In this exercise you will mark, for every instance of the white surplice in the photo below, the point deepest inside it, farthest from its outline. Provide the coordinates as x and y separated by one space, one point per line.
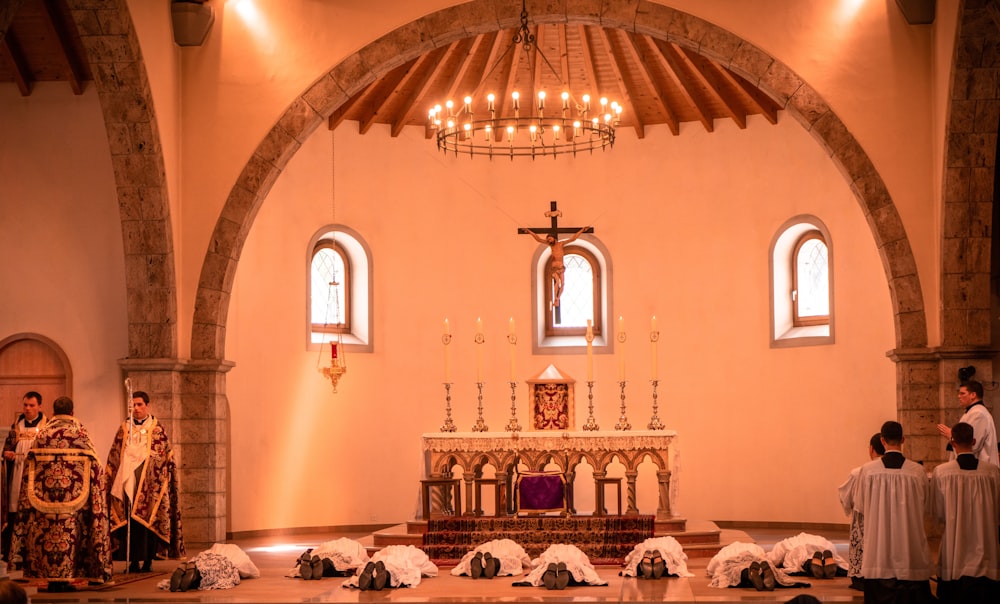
967 504
984 430
669 549
577 563
406 565
513 559
791 553
893 503
857 534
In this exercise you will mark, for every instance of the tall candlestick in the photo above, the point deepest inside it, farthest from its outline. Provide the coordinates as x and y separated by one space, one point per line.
621 352
479 350
446 340
512 338
654 337
590 350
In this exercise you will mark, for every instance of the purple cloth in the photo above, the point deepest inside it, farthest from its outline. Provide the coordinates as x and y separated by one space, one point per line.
541 493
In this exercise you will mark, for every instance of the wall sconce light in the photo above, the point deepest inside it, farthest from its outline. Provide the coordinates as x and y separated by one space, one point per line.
192 20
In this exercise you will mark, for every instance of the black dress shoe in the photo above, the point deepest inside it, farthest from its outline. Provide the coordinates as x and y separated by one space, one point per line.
549 577
175 579
753 573
496 567
191 578
317 568
380 578
133 567
562 576
365 578
645 567
489 570
305 565
767 576
815 565
476 565
659 566
829 565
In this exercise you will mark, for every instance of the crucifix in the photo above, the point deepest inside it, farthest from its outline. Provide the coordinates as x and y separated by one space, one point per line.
552 240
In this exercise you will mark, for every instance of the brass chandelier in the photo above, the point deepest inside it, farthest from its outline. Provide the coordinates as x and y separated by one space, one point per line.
575 127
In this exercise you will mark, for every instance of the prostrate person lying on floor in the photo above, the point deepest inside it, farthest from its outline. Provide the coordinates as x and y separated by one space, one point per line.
745 565
221 566
655 558
336 558
393 566
560 566
806 554
496 558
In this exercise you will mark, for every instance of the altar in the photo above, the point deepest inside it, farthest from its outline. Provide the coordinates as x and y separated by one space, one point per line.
505 451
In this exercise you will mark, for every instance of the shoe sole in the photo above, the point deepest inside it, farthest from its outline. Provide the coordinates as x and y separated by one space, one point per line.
175 579
753 573
767 577
488 570
829 565
549 577
381 579
365 578
562 576
476 565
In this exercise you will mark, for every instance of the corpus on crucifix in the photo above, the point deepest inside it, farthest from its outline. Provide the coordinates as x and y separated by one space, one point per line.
556 245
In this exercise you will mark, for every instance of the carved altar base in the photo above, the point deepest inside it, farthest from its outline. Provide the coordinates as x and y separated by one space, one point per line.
506 450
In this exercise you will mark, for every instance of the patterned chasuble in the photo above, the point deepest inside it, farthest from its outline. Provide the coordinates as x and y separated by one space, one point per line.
156 504
65 531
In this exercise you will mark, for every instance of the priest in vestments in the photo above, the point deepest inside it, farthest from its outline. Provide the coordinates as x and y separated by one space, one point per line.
966 504
143 497
892 493
15 448
65 530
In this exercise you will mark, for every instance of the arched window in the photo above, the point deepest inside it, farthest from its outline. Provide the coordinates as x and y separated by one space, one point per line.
339 296
801 284
586 295
811 281
331 286
580 300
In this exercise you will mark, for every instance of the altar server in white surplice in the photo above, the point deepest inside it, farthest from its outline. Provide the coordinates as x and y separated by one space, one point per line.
967 504
891 493
846 493
970 397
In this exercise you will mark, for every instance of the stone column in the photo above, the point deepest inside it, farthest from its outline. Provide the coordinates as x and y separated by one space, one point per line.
188 399
926 384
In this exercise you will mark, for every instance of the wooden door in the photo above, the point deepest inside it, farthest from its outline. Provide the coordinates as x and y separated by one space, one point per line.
31 362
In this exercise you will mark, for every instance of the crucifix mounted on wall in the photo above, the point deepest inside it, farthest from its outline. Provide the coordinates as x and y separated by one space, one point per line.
551 239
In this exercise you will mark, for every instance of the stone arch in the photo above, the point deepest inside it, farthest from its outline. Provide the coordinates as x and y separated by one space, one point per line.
112 49
330 91
969 183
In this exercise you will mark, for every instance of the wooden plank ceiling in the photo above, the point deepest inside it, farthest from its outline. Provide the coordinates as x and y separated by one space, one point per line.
656 82
42 44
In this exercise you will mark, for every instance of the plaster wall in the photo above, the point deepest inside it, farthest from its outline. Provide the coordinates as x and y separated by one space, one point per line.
61 244
688 222
268 52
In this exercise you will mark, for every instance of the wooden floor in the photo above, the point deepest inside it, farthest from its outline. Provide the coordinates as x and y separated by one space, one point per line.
274 556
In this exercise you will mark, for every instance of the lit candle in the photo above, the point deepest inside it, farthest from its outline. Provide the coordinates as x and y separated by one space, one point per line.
590 350
513 343
479 350
447 355
654 336
621 352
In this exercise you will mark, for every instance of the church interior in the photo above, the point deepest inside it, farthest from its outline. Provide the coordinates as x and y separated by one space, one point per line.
170 172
